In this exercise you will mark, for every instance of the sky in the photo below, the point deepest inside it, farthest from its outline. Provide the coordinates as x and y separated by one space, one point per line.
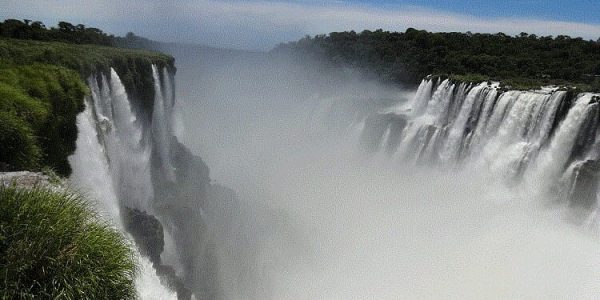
262 24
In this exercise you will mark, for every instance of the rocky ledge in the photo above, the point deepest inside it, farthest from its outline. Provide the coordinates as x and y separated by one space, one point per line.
28 179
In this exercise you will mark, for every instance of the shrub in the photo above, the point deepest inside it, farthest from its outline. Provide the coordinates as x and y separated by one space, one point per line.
48 99
27 108
18 147
52 245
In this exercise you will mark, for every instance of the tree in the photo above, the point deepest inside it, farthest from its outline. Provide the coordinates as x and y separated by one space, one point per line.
65 27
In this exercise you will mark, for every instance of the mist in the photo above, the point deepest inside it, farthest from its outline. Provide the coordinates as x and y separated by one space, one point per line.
314 217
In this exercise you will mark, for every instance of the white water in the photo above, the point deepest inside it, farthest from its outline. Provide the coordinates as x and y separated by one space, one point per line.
551 162
316 223
503 134
161 121
111 153
468 226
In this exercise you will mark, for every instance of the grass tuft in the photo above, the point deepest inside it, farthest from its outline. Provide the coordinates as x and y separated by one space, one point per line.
53 245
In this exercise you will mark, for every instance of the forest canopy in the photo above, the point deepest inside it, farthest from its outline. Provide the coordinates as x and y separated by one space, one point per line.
69 33
407 57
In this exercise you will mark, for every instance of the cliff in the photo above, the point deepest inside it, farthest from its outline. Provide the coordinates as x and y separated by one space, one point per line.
42 90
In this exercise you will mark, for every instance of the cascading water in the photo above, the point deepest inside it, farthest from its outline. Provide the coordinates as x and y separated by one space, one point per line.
369 233
534 137
112 160
161 123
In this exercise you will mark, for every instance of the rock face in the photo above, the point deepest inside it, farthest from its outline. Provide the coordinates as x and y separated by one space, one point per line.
146 231
375 129
28 179
148 234
179 205
585 184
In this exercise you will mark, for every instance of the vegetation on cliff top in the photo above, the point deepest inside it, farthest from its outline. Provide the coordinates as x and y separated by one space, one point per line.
406 57
52 245
38 110
42 89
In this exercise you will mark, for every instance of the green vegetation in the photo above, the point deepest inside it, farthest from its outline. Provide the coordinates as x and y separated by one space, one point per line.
42 88
53 246
73 34
39 105
133 66
19 146
522 61
64 32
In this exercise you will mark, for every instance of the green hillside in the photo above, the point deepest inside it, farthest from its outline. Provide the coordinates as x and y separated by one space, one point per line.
522 61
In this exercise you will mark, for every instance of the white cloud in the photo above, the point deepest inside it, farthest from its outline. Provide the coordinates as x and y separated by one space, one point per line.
262 24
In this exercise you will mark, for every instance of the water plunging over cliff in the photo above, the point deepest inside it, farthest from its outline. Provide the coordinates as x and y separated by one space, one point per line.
325 226
530 137
113 163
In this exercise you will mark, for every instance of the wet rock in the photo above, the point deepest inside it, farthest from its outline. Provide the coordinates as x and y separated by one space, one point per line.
147 233
170 279
587 133
26 179
397 124
585 184
375 129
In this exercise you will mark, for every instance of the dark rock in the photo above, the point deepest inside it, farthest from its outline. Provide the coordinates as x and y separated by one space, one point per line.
170 278
147 233
375 128
587 134
585 184
397 124
4 167
563 109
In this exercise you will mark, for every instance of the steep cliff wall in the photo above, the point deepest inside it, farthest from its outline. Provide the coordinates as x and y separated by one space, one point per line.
42 89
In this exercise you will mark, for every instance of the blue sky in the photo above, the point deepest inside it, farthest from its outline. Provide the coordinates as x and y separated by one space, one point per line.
261 24
587 11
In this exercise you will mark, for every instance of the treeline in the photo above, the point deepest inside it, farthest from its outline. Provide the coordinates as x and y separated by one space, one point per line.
68 33
407 57
64 32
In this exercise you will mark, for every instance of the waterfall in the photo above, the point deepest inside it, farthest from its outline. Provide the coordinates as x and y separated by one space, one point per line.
112 163
543 140
161 123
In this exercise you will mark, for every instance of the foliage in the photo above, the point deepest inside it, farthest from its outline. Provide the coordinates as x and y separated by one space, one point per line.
18 144
65 32
130 40
409 56
85 59
52 245
133 66
46 100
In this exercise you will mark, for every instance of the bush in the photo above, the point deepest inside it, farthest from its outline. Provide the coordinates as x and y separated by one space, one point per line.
52 245
48 99
18 147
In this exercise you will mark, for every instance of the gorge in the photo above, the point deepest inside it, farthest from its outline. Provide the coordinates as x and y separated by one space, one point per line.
525 158
325 182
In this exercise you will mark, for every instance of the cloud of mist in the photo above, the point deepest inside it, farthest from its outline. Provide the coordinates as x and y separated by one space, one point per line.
318 221
263 24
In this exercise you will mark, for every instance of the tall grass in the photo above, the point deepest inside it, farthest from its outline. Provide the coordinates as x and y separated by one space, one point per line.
53 245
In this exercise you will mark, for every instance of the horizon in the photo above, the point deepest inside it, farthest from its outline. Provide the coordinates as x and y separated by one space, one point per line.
261 25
